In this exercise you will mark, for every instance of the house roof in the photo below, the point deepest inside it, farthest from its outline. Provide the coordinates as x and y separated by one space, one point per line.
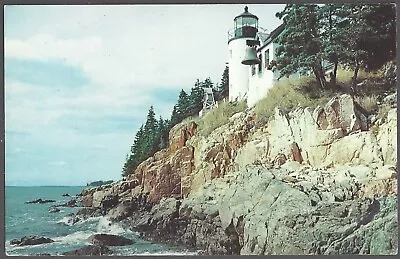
273 35
246 13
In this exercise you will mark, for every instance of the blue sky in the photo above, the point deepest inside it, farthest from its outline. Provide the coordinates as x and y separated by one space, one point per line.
79 80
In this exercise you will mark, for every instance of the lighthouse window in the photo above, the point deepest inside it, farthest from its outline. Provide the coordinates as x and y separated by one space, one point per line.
267 58
253 70
249 21
238 22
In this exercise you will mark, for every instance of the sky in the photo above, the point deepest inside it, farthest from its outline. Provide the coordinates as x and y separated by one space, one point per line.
79 80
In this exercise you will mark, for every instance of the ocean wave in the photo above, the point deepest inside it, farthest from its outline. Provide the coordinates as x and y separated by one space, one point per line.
105 225
74 238
67 220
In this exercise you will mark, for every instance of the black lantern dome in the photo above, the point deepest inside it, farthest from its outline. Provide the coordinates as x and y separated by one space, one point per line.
246 25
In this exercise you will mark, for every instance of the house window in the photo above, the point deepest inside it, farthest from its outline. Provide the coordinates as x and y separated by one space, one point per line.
260 65
267 58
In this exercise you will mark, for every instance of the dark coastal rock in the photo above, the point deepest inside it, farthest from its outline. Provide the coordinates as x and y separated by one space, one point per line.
90 250
109 240
82 214
40 201
43 254
31 240
109 201
121 211
66 195
54 210
279 219
85 213
70 204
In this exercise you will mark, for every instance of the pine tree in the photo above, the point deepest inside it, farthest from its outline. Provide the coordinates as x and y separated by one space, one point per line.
162 139
183 105
181 110
175 117
136 155
150 133
223 87
196 99
300 46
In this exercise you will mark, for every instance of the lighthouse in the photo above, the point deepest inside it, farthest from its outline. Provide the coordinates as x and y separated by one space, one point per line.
245 28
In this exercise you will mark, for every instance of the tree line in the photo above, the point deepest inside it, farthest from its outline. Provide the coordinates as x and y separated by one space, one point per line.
353 35
152 136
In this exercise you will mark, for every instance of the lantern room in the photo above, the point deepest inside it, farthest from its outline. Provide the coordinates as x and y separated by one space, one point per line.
246 25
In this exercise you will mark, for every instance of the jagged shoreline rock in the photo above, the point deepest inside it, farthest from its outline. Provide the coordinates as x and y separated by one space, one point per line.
308 182
31 240
109 240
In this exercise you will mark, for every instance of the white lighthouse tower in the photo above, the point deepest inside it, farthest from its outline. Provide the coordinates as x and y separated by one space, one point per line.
245 28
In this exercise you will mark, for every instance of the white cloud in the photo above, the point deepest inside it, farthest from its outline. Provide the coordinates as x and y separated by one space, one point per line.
136 45
127 53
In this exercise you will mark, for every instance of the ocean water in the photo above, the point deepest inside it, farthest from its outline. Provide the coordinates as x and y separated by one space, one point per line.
35 220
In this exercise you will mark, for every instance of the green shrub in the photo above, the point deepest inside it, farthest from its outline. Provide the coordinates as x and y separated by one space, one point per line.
219 116
288 94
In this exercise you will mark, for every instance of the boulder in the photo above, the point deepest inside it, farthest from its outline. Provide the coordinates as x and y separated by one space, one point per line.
90 250
31 240
66 195
109 240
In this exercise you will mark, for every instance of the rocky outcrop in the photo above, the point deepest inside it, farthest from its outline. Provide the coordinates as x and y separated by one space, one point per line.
263 211
314 181
109 240
90 250
31 240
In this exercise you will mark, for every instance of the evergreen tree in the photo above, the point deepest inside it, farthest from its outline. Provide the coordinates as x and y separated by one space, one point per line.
207 83
162 140
333 34
370 36
300 46
181 110
136 155
381 44
196 99
183 105
223 87
150 133
175 117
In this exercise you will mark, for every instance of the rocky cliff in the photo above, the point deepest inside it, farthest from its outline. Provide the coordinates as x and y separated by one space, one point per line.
314 181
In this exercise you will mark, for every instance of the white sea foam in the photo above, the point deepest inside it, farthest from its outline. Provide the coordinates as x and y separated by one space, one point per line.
74 238
67 220
106 226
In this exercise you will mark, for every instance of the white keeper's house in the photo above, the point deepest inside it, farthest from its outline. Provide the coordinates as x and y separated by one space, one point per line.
251 51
